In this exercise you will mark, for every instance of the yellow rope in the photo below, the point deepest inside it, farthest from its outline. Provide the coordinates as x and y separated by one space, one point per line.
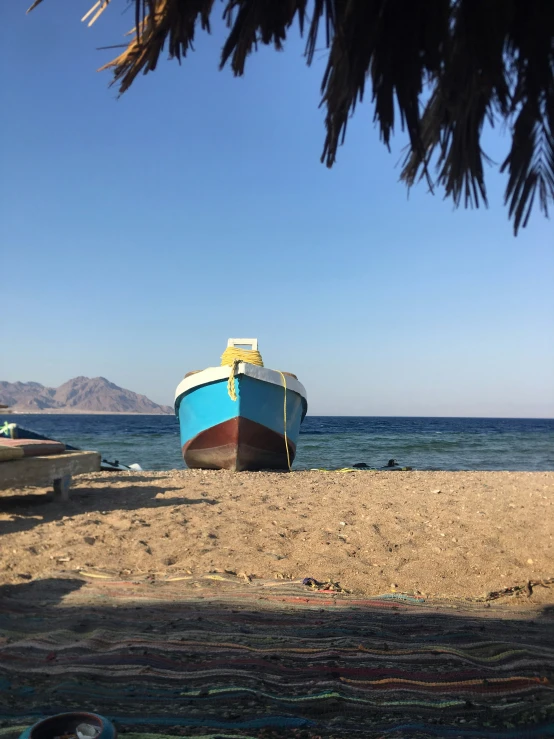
252 356
285 419
231 381
232 357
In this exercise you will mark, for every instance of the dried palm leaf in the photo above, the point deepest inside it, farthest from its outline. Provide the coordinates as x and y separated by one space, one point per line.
474 61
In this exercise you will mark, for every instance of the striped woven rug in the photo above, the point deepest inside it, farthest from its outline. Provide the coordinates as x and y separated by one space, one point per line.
220 657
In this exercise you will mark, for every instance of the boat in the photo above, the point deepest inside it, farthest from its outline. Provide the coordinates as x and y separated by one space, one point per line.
241 415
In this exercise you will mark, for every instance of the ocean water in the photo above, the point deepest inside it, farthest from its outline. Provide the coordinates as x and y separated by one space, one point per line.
326 441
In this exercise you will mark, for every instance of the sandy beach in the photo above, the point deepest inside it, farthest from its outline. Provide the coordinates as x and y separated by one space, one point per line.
441 534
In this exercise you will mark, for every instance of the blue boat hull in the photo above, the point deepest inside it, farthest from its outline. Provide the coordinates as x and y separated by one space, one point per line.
245 434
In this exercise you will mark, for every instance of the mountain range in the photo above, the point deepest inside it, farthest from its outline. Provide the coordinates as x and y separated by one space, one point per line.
79 395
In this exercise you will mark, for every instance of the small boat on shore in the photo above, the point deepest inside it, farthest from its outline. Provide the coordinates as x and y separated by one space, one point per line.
240 416
13 431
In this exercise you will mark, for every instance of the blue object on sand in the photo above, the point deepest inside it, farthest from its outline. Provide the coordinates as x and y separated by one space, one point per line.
68 723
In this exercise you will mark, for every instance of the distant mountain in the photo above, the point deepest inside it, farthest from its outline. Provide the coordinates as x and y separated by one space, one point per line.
80 395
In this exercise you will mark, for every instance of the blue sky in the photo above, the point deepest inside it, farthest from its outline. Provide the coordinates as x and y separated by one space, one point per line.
139 233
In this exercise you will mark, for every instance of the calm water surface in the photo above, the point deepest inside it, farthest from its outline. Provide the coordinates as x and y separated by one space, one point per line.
327 441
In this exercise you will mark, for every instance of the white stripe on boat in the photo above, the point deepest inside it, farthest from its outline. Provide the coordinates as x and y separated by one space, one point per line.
213 374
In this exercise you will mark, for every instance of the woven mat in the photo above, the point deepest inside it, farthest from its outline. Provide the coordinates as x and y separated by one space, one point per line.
222 657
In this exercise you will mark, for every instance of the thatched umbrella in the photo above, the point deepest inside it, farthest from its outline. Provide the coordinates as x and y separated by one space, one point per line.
479 60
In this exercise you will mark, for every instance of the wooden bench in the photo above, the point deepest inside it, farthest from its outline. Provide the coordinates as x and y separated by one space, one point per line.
56 469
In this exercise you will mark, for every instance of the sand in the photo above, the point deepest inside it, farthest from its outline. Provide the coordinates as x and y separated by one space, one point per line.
441 534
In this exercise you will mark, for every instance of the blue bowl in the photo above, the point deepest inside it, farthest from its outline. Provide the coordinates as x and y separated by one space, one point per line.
66 723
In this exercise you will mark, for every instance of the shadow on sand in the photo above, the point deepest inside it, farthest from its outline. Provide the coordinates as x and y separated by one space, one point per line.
30 509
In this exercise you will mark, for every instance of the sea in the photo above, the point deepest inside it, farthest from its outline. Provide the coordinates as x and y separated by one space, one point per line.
328 442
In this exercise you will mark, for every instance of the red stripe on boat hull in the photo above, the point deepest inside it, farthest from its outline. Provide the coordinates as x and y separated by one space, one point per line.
238 444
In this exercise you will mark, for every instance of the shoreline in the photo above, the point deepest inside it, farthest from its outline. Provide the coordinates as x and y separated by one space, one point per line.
436 534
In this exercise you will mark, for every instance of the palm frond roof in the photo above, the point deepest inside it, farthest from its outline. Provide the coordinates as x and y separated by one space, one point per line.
445 68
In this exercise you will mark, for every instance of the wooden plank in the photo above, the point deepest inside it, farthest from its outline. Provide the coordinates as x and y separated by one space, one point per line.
42 471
